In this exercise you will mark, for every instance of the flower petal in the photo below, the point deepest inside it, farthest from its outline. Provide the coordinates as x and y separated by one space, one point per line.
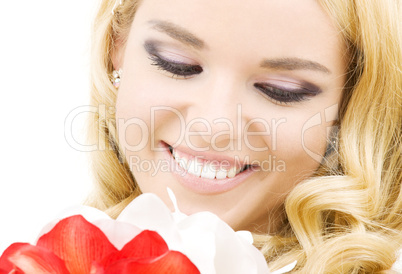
148 211
78 242
5 264
286 268
89 213
118 233
26 258
170 262
231 253
147 244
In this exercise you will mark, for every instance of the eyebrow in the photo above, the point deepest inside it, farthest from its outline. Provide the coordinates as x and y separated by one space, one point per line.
178 33
293 64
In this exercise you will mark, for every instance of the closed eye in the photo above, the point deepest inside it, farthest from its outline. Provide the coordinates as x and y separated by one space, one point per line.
175 68
284 96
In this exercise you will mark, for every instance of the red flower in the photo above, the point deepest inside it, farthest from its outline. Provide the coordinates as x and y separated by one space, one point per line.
77 246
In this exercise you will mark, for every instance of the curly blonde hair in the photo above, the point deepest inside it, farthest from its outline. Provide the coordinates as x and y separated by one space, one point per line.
347 218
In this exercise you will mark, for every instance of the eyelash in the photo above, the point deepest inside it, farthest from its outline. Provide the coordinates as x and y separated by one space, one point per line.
176 69
283 96
278 95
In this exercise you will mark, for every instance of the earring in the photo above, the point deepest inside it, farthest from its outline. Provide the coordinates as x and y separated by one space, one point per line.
116 78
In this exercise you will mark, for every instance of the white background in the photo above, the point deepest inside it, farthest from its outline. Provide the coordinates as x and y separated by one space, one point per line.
44 74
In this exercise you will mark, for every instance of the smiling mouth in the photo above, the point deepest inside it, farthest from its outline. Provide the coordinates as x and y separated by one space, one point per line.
207 169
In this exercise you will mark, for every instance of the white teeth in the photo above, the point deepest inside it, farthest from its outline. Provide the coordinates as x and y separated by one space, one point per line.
232 172
175 154
195 167
221 174
204 170
181 161
208 171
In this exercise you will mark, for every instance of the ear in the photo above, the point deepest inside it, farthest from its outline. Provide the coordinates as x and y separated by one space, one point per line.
118 55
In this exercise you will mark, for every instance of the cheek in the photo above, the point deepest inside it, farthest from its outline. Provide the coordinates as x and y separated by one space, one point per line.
132 128
299 144
143 110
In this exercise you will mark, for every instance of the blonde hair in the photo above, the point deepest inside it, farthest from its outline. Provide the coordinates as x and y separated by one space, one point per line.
348 217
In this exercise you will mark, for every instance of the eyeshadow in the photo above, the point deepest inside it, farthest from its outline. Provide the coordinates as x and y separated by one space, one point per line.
151 47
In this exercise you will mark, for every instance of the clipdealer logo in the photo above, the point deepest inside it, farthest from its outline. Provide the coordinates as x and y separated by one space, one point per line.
234 128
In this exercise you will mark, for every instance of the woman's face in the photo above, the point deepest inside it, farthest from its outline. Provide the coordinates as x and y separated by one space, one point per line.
228 103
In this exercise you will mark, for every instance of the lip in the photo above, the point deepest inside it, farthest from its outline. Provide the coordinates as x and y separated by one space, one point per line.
203 185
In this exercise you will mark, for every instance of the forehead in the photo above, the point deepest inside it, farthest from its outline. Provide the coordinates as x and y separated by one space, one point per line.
254 28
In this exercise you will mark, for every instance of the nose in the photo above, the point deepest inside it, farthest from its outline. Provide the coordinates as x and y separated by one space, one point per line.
215 117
